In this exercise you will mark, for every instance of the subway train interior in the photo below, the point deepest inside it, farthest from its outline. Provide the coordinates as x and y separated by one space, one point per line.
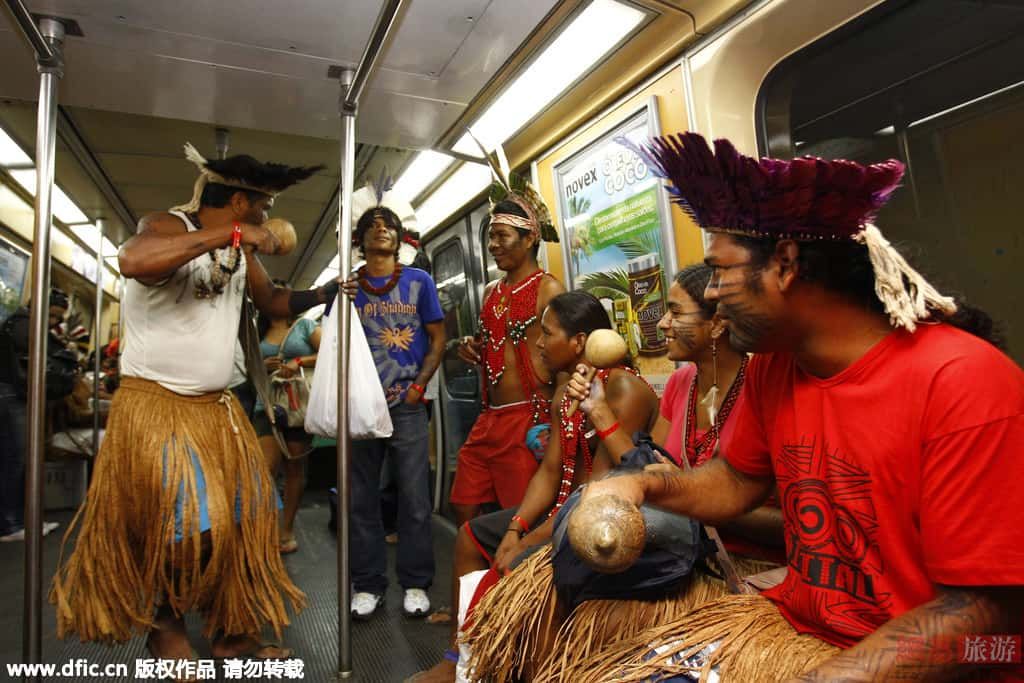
937 84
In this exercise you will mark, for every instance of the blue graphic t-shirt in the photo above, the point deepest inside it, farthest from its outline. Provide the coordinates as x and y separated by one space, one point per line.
394 328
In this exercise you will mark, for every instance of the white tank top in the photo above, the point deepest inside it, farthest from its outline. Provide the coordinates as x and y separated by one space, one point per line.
185 343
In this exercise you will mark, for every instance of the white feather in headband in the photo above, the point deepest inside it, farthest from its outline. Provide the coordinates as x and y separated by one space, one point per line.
379 194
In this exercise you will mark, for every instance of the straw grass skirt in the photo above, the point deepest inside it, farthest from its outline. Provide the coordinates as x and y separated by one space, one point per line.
597 624
518 632
751 642
126 560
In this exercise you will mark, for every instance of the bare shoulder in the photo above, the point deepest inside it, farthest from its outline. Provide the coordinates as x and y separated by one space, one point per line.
623 383
549 288
161 223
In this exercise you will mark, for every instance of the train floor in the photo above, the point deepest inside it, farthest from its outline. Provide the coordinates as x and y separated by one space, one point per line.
387 648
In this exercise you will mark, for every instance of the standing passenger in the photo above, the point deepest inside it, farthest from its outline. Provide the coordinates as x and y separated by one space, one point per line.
495 464
181 514
403 321
287 346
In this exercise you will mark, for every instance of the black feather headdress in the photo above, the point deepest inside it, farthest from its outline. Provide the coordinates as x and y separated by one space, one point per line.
242 172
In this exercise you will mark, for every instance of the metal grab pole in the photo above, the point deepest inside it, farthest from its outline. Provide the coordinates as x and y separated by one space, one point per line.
46 138
348 160
97 349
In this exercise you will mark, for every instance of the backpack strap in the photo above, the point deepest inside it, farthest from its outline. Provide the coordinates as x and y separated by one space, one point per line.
721 555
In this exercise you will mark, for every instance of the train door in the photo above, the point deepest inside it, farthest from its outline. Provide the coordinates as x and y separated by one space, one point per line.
453 258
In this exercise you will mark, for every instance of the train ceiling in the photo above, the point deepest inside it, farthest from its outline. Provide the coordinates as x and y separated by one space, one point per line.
144 77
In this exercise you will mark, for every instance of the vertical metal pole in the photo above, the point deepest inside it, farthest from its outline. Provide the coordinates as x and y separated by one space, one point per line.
46 138
96 346
348 161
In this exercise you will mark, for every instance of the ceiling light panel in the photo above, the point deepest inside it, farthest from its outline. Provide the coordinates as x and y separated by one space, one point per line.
11 153
63 208
583 43
427 166
467 182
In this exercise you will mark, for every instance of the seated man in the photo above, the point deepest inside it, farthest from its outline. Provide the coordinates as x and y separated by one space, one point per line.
879 408
502 537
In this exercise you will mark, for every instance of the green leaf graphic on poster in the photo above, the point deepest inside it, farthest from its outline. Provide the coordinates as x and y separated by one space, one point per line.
625 220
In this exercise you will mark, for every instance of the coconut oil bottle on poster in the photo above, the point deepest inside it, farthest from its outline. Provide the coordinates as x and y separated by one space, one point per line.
647 299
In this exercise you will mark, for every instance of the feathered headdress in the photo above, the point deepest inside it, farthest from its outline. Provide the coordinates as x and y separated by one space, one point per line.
242 172
508 186
803 199
379 194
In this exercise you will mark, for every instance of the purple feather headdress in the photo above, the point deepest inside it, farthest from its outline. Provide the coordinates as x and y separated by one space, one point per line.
806 198
803 199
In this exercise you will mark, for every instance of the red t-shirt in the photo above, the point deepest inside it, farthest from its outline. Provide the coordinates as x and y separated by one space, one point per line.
673 408
901 472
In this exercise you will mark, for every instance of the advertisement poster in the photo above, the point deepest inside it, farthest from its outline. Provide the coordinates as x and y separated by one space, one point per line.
13 268
617 231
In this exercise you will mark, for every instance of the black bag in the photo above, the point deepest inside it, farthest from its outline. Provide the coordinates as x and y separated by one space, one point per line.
675 547
61 363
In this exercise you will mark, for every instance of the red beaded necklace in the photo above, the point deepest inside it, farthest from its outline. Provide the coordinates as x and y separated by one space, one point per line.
572 443
364 281
704 447
508 312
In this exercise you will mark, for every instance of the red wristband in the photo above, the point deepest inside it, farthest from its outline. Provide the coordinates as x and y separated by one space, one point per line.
522 525
236 236
605 433
418 387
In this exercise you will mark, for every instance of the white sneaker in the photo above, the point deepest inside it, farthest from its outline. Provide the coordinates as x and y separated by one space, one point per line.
365 604
19 535
416 602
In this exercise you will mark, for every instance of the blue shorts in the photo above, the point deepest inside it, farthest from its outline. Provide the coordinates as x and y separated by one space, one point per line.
204 508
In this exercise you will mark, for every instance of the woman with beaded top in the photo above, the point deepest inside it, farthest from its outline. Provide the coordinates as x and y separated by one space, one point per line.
506 538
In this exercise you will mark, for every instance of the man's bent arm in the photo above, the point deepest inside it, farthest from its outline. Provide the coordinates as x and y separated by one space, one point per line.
927 642
163 245
432 360
281 302
713 493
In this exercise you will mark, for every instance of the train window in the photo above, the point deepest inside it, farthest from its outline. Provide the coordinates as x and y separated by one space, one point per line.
453 290
938 84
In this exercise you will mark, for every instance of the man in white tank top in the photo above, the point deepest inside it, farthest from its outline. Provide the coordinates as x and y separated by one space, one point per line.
181 512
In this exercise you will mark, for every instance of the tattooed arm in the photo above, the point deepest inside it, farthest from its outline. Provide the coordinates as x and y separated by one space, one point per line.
926 643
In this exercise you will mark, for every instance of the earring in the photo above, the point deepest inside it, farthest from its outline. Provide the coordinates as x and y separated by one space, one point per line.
711 399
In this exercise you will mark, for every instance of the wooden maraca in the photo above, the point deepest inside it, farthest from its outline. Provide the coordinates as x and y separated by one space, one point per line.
607 533
284 231
604 349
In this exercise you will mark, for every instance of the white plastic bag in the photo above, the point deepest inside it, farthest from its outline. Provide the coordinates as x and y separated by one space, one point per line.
368 409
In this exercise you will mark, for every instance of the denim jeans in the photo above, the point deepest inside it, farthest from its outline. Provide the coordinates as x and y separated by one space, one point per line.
408 450
12 460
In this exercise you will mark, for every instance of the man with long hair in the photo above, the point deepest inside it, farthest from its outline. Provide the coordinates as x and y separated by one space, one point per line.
181 513
881 410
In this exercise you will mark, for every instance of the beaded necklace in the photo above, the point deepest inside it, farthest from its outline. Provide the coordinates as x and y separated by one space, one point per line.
222 268
704 447
572 443
364 281
507 313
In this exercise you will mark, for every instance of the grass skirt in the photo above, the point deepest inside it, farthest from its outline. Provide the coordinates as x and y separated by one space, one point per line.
126 562
517 630
755 643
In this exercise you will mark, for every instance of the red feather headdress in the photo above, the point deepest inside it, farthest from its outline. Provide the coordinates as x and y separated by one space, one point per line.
803 199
